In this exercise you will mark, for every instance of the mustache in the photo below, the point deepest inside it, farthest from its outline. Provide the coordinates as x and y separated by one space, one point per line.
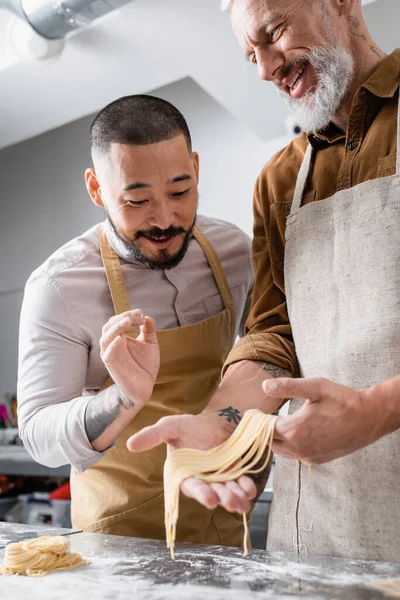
300 60
157 233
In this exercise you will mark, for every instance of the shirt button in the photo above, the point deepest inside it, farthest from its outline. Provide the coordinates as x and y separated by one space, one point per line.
352 145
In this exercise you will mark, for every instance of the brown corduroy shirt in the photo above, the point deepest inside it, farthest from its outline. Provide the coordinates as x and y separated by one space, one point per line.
367 151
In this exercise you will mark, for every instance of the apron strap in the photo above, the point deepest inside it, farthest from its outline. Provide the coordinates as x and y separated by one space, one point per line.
115 279
398 138
117 286
302 178
216 268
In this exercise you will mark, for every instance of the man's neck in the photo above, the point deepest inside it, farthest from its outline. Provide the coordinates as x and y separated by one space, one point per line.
364 65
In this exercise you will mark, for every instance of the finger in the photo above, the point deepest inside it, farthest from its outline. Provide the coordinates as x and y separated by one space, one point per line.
282 449
112 348
240 494
136 313
229 500
149 331
200 491
164 431
280 429
119 328
248 486
114 319
287 387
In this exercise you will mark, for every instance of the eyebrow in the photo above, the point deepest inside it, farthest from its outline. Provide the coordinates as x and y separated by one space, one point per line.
184 177
140 185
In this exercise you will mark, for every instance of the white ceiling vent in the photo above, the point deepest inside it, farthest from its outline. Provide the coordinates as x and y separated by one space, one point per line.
38 28
54 19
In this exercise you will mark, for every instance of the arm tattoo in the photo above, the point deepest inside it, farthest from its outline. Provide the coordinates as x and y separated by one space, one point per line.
103 409
273 370
355 24
231 414
375 51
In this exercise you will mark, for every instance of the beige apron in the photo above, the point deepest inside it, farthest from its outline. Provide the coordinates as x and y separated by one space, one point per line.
342 280
123 493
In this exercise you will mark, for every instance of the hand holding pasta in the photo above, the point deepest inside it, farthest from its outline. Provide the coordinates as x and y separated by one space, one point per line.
239 454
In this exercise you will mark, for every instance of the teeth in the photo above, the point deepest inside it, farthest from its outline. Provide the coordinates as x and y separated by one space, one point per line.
292 83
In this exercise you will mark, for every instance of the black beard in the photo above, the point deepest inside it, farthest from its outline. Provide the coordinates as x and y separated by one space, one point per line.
169 262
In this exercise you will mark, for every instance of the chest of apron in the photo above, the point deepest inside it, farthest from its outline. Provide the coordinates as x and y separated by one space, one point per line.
123 492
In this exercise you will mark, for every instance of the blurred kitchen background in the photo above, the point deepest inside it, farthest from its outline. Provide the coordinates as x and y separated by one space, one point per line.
181 50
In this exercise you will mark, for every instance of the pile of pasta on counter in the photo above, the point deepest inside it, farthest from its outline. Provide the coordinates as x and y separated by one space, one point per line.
39 556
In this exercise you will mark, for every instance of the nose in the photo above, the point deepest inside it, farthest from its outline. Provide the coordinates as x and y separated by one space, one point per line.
162 215
269 63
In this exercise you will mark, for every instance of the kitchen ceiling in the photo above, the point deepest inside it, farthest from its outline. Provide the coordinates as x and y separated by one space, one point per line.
145 45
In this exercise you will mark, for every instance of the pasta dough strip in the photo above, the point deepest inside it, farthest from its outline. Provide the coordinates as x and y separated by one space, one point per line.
40 556
237 456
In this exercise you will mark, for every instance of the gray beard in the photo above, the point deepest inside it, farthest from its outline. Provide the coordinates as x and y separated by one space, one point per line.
334 68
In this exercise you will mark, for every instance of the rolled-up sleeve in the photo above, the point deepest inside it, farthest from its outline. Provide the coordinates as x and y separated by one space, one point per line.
53 357
268 332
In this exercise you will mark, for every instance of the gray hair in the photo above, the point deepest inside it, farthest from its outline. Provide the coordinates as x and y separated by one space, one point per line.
226 5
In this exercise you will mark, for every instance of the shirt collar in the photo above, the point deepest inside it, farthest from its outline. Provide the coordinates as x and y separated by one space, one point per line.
330 135
385 80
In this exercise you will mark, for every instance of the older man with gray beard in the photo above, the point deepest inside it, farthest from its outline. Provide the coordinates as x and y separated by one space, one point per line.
325 320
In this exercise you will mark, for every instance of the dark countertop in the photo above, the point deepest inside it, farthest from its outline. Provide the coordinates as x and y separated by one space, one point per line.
125 568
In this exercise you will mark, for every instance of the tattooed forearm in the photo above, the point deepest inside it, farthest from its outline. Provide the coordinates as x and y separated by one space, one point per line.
123 400
232 415
355 24
273 370
103 409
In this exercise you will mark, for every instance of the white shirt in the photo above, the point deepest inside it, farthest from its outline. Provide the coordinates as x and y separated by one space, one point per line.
66 303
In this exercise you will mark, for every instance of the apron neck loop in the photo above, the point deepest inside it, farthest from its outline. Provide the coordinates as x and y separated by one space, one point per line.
302 178
118 289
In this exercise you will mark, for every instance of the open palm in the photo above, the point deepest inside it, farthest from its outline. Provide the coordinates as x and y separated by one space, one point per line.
201 432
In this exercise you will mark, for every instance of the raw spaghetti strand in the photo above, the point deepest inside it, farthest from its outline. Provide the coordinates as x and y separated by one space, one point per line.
237 456
246 536
39 556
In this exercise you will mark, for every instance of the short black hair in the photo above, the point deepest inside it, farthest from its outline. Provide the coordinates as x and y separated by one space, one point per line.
137 120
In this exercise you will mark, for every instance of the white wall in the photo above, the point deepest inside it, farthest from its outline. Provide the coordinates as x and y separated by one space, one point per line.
44 201
148 44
